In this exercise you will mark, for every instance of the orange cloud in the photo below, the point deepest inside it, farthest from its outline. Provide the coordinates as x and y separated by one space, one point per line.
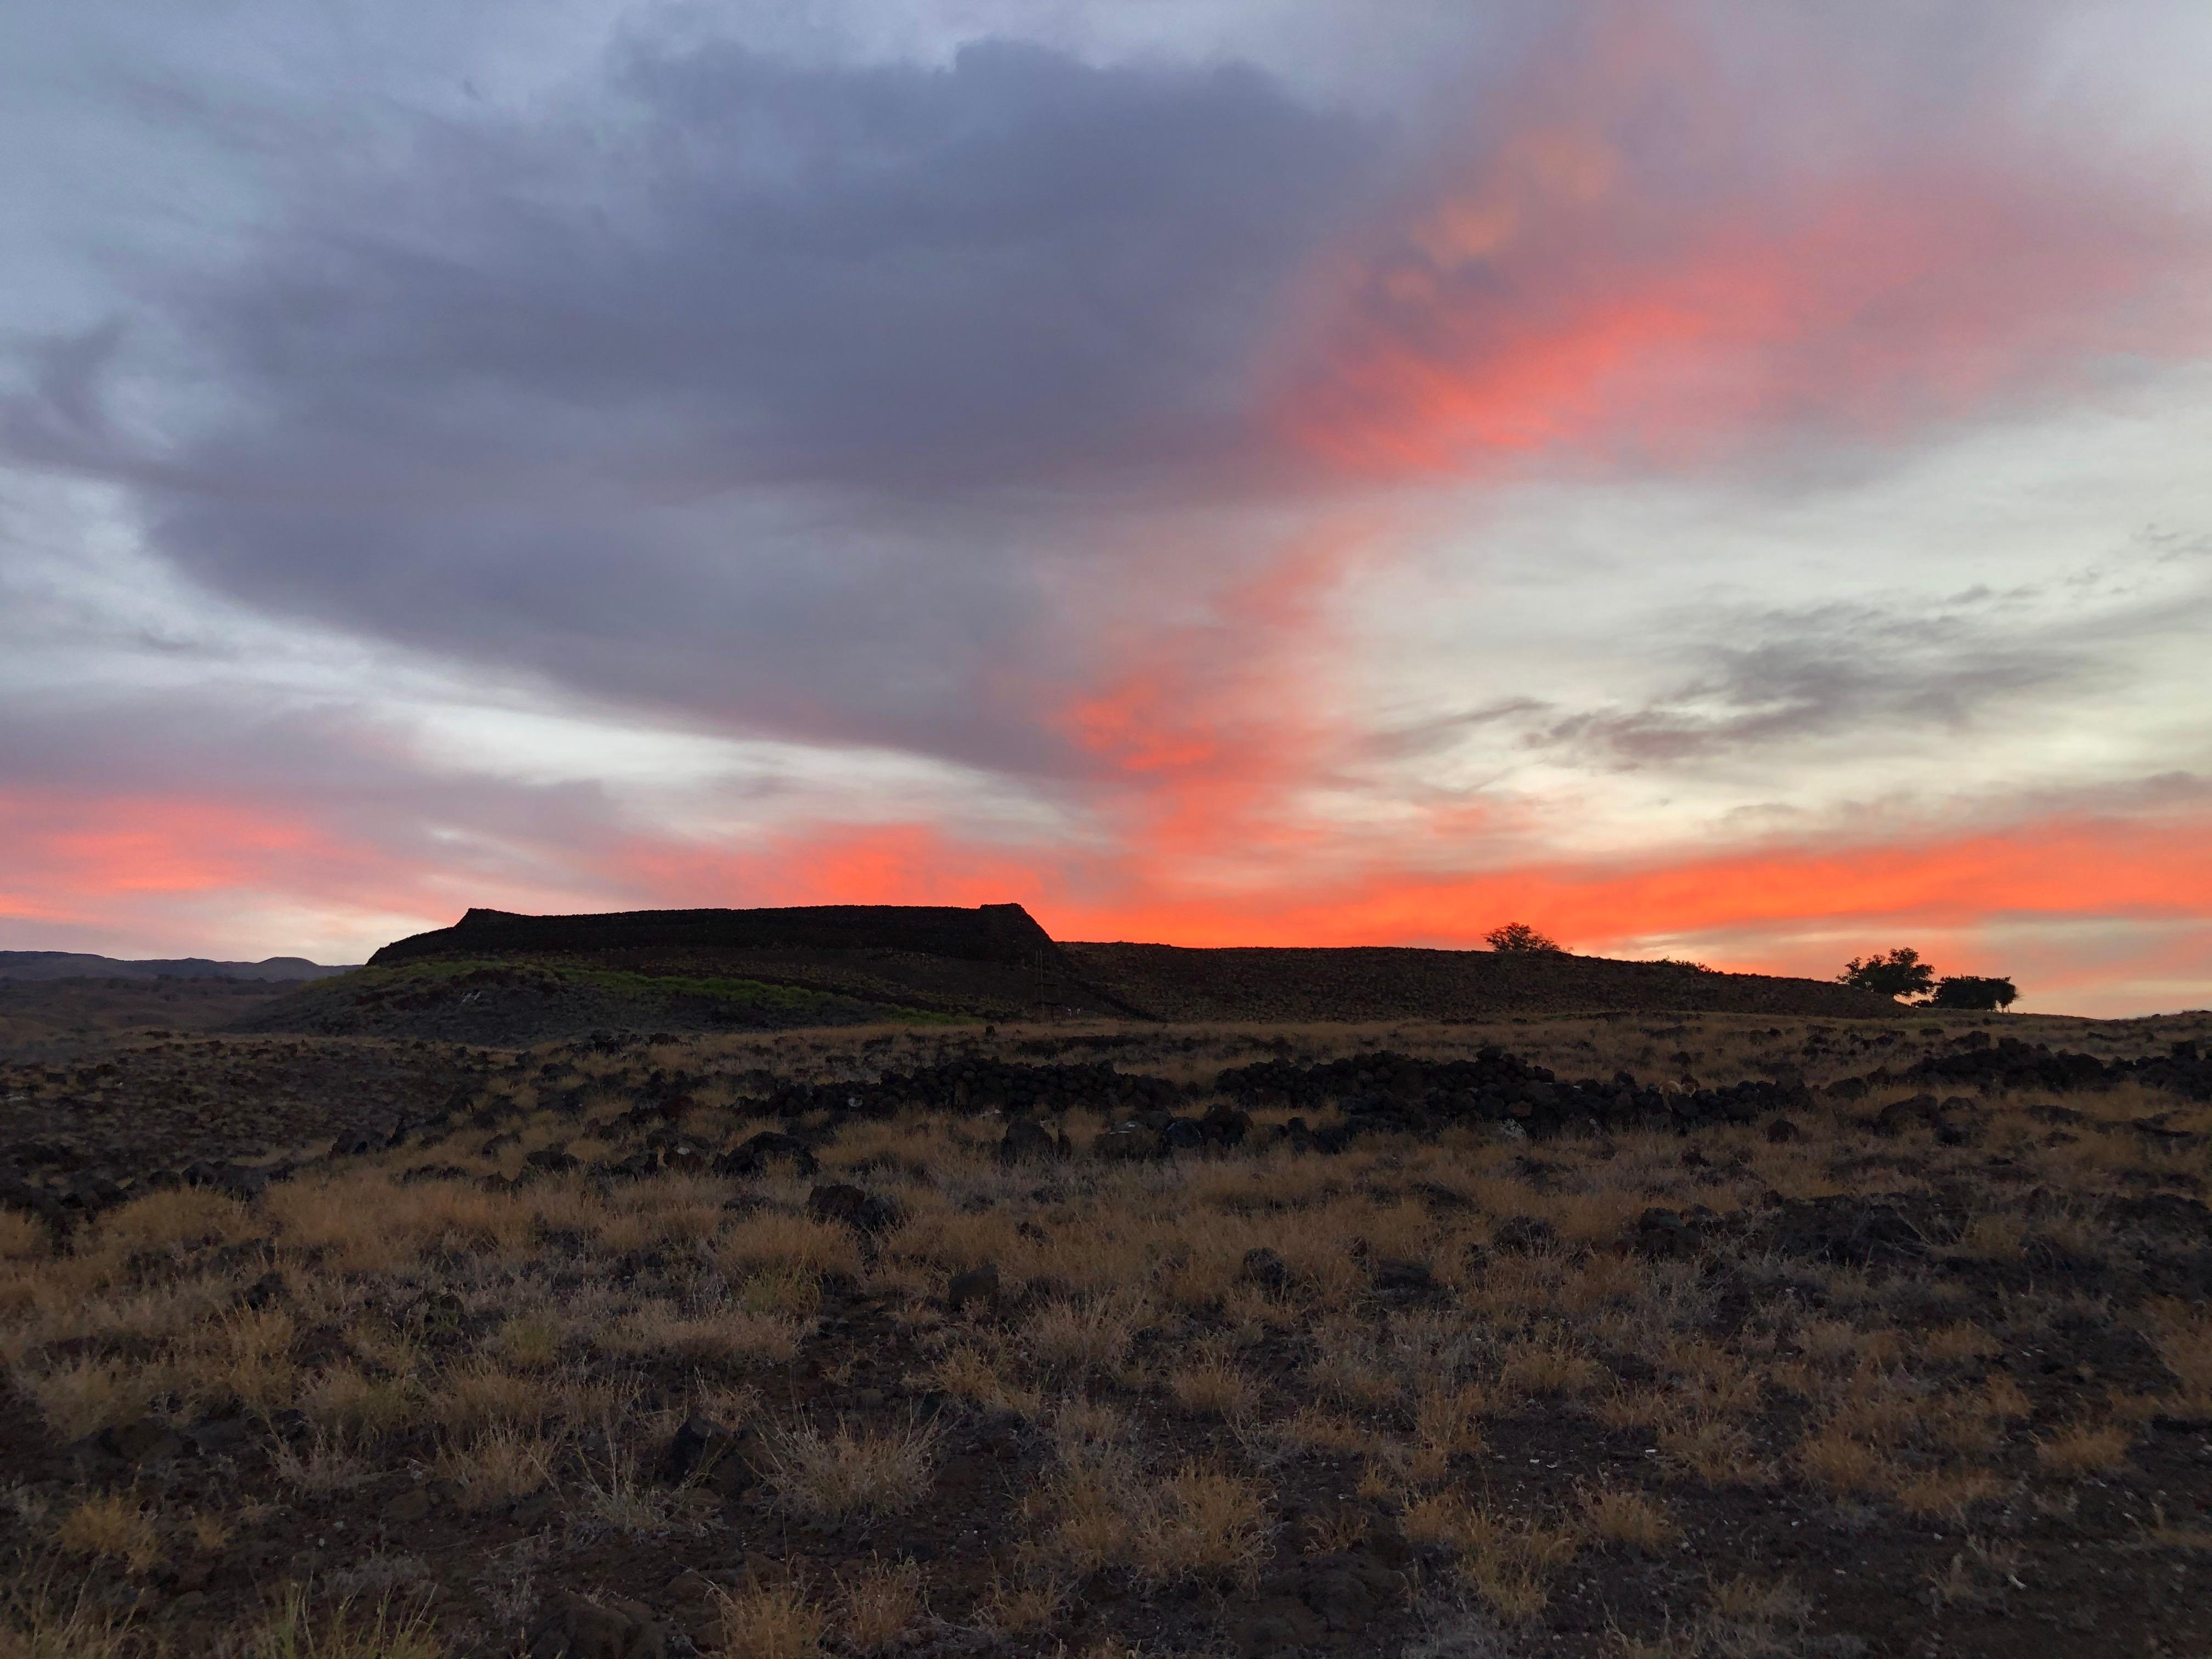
153 870
1611 270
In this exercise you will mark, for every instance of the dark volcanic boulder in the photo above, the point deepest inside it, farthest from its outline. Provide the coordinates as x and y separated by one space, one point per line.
755 1155
1852 1230
863 1212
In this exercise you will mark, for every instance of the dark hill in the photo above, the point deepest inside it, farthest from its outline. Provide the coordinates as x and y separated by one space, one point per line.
991 933
72 964
500 978
1169 981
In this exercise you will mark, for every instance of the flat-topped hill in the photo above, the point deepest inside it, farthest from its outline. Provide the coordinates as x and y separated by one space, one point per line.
989 932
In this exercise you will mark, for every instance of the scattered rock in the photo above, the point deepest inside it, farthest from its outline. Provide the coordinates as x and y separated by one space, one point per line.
1127 1140
1523 1234
1918 1111
860 1211
1844 1228
1664 1234
142 1440
1404 1276
570 1627
1264 1267
1026 1137
770 1145
978 1285
410 1506
704 1450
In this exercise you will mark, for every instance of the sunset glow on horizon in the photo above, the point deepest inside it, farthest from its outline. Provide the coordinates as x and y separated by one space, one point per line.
1712 481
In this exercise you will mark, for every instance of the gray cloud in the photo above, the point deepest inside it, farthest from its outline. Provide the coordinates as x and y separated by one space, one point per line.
743 388
1837 670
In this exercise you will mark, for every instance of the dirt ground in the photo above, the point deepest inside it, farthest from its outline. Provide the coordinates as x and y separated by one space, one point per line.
1635 1335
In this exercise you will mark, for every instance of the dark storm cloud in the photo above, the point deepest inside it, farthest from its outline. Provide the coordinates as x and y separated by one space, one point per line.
735 387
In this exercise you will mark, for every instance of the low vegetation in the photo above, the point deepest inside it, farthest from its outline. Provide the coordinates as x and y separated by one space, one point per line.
606 1358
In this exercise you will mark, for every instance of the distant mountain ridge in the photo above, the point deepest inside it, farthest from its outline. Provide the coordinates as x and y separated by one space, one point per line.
76 964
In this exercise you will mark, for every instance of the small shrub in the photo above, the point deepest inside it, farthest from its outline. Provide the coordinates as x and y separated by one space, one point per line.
345 1631
1079 1338
111 1524
502 1463
1949 1492
1211 1387
771 1621
851 1471
879 1602
1203 1523
1632 1519
1834 1460
2085 1449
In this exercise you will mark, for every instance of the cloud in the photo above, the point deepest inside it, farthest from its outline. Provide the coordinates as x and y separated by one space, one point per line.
735 385
968 474
1851 669
1680 241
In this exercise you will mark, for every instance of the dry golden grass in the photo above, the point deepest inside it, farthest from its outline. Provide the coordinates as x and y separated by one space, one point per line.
1949 1492
499 1464
1075 1339
1212 1387
116 1525
1953 1343
1758 1603
483 1393
82 1397
347 1401
851 1471
1351 1365
181 1217
38 1621
1012 1608
323 1464
731 1334
451 1321
1832 1459
771 1621
1716 1451
1506 1561
1444 1519
1203 1523
2085 1449
1632 1519
246 1359
879 1602
209 1533
2183 1336
1548 1366
1315 1428
531 1342
790 1242
979 1372
1450 1419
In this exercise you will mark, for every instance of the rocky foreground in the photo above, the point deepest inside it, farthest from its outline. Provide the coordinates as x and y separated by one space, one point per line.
1693 1338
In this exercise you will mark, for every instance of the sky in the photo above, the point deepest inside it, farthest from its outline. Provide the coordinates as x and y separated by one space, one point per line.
1727 480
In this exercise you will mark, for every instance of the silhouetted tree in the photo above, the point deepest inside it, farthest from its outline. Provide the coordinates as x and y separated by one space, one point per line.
1966 991
1519 939
1899 973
